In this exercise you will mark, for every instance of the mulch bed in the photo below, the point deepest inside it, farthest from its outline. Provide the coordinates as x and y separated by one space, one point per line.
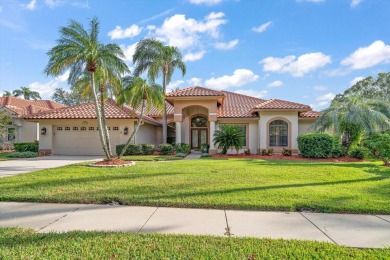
282 157
112 163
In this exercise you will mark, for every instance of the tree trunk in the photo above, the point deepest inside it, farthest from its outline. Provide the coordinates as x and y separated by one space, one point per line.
98 116
164 119
104 125
135 130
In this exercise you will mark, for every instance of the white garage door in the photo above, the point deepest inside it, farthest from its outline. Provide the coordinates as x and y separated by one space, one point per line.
81 140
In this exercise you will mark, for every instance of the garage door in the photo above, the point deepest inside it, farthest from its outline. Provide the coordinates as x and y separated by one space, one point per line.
81 140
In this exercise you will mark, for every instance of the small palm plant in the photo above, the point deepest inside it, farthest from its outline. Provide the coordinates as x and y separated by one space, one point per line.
229 136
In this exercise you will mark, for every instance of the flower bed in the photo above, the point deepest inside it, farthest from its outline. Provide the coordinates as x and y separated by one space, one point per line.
291 158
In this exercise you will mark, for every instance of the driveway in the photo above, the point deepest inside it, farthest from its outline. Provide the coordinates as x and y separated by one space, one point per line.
19 166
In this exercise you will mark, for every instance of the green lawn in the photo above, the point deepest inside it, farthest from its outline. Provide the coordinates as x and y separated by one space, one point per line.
25 244
150 158
234 184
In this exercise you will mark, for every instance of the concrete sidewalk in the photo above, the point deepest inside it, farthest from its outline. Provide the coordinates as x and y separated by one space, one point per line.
342 229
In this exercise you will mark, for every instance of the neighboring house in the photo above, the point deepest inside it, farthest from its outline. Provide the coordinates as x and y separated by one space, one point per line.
193 114
21 130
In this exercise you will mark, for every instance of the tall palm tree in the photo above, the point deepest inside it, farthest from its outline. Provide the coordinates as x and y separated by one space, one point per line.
138 93
158 60
353 115
80 51
27 93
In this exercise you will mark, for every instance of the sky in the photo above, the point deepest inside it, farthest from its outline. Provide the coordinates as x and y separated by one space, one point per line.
304 51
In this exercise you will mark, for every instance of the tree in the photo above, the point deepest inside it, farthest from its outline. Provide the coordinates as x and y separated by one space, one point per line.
80 51
138 93
379 145
26 93
158 60
229 136
62 96
7 93
5 120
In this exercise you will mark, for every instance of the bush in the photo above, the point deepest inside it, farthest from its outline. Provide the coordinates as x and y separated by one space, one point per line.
337 151
147 148
165 149
314 145
358 152
379 146
205 148
264 152
182 148
286 152
205 155
229 136
270 152
27 154
132 149
247 152
26 147
181 155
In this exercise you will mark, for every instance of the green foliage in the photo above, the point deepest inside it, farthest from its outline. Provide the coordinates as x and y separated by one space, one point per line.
270 151
286 152
165 149
205 147
336 152
148 149
229 136
71 98
27 147
315 145
26 93
26 154
358 152
264 152
247 152
379 146
205 155
182 148
181 155
132 149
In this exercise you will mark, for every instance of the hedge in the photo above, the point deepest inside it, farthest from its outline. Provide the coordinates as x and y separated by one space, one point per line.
132 149
182 148
26 154
27 147
315 145
165 149
148 148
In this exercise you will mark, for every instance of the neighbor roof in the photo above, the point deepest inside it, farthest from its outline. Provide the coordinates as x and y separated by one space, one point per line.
309 114
24 107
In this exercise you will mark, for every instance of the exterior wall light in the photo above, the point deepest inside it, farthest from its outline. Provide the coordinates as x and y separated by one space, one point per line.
126 131
43 131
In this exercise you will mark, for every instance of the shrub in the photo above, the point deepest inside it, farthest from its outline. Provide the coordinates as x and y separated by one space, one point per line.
26 147
270 152
264 152
205 147
205 155
147 148
315 145
27 154
165 149
358 152
379 146
229 136
181 155
132 149
247 152
182 148
286 152
337 151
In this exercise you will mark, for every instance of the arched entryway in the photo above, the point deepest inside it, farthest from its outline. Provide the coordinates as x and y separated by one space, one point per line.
199 131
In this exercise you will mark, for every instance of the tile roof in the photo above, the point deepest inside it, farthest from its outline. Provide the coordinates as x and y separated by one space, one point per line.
87 111
281 104
237 105
24 107
309 114
194 91
155 112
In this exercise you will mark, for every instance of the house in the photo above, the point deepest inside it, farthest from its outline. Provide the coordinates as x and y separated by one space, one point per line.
21 130
193 115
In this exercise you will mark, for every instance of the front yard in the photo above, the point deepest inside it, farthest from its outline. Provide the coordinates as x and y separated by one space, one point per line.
234 184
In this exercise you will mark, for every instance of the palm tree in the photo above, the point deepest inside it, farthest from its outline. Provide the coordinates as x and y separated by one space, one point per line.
158 60
229 136
27 93
80 51
137 93
353 115
7 93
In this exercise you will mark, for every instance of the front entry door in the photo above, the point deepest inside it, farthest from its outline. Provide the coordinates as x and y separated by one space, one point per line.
198 137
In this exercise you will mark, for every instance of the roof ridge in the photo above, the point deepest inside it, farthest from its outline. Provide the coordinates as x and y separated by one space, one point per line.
239 94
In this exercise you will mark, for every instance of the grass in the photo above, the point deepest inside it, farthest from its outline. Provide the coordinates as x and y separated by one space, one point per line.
3 156
150 158
233 184
25 244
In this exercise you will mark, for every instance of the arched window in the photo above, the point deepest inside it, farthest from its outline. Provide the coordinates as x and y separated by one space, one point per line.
199 121
278 133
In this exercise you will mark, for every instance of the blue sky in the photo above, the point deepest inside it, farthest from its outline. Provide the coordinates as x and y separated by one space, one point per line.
299 50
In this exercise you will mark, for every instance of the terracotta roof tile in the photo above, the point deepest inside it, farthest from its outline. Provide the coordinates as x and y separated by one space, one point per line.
309 114
281 104
24 107
194 91
237 105
155 112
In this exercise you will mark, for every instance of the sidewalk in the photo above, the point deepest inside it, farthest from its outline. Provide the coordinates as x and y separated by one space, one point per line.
343 229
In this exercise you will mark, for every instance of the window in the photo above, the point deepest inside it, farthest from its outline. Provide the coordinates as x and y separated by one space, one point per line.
109 128
11 134
59 128
199 121
243 128
278 133
91 128
115 128
67 128
75 128
83 128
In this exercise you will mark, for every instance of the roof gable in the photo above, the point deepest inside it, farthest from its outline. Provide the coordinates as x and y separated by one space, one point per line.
24 107
195 91
280 104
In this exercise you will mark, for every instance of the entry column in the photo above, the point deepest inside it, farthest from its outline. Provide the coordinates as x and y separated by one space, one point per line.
212 119
178 132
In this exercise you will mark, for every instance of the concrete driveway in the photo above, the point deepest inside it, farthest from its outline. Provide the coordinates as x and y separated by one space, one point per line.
19 166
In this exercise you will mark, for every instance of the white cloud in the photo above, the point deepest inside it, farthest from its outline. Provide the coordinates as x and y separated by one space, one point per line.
30 6
365 57
324 100
129 32
297 67
195 81
194 56
226 45
239 78
52 3
275 84
129 51
174 85
206 2
355 80
252 93
320 88
355 3
46 89
262 27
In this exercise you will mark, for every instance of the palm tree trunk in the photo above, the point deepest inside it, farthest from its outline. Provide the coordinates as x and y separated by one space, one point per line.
104 125
98 116
135 130
164 119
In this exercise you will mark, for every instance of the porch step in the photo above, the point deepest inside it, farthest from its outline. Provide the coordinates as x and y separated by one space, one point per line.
195 152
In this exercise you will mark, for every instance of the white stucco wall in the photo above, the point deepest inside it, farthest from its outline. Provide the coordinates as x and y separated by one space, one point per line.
29 131
304 125
147 134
